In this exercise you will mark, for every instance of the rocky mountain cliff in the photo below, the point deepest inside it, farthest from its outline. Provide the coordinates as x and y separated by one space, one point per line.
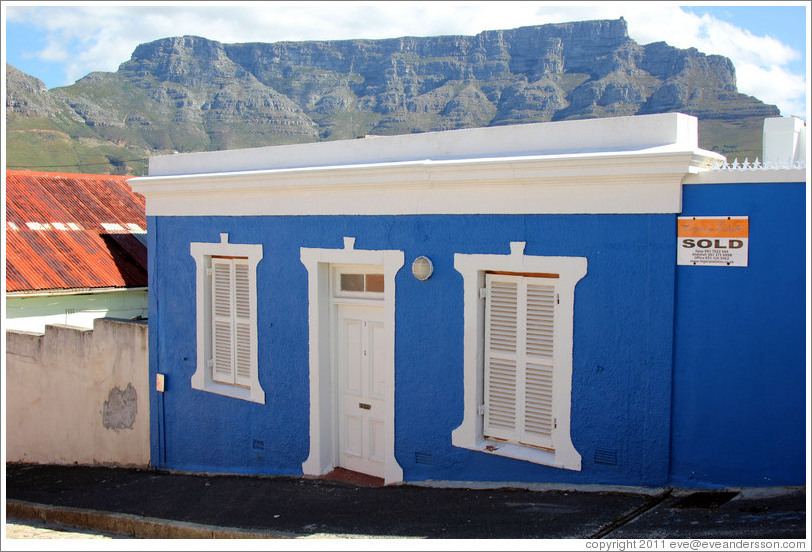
191 94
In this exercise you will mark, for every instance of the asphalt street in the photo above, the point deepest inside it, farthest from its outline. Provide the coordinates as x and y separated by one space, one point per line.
160 504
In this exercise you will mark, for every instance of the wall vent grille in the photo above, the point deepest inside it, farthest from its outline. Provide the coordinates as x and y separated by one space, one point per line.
423 458
603 456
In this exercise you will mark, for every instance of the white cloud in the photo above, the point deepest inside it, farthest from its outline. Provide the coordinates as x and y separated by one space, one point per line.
100 37
729 40
761 62
786 90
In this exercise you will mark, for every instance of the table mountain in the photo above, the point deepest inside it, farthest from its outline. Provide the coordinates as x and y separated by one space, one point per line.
192 94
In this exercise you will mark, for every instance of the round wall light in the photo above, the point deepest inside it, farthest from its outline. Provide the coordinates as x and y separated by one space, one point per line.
422 268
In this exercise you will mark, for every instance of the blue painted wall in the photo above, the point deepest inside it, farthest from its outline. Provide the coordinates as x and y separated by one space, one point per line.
622 343
739 413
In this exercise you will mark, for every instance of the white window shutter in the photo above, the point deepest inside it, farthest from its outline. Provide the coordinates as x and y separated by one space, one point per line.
222 313
501 358
242 324
539 364
519 359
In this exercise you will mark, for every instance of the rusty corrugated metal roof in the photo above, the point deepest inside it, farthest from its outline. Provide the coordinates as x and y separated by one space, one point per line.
73 231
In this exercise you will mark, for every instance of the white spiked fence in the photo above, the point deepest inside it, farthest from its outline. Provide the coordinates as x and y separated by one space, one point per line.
757 165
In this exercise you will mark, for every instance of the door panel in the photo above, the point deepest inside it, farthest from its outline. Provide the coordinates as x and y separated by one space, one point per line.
377 438
352 346
360 350
377 380
353 446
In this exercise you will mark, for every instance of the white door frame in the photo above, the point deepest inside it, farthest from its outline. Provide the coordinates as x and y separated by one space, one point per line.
323 438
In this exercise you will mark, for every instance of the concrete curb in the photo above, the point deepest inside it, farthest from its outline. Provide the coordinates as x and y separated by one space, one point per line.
133 526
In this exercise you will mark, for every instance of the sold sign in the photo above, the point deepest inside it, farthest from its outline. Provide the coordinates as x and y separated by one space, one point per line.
720 241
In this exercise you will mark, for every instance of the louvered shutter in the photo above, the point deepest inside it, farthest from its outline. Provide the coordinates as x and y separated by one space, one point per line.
501 359
519 330
242 324
222 341
539 364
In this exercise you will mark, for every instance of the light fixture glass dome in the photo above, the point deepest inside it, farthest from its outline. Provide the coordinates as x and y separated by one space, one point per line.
422 268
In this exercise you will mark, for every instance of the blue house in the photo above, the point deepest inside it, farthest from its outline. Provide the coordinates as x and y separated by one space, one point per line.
578 302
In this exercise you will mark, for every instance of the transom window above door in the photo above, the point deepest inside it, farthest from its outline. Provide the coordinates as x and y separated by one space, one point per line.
358 281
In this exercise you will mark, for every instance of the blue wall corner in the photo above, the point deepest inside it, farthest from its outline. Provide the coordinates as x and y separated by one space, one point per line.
739 363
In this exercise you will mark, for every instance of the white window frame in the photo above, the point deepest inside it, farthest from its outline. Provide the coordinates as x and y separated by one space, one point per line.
470 434
203 379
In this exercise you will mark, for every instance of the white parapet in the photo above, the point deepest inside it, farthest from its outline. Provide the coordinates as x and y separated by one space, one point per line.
784 140
634 133
614 165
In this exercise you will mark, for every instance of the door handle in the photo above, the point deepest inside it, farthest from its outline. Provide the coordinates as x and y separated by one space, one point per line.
364 406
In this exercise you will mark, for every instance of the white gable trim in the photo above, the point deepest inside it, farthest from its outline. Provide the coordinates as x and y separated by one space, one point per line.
323 448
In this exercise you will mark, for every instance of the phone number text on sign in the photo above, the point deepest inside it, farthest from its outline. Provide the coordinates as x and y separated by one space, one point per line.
718 241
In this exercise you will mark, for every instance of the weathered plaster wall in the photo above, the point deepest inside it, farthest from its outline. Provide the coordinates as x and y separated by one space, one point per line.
75 395
622 343
739 410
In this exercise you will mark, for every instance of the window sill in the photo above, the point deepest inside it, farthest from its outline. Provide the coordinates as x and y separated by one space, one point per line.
233 391
557 459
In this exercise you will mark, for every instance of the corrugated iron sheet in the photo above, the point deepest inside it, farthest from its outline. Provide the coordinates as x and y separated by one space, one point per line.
61 232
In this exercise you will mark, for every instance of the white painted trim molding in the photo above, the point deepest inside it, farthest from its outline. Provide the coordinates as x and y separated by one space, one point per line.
323 445
752 176
622 182
202 378
469 434
615 165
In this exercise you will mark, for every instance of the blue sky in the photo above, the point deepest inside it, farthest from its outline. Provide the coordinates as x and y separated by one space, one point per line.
62 42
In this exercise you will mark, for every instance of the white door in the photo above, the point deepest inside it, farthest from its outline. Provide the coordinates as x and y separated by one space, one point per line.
361 388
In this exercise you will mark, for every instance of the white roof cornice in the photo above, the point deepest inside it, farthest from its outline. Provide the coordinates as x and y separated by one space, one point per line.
475 174
618 182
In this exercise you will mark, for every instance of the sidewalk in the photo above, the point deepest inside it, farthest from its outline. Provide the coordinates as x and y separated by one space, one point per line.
29 529
156 504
